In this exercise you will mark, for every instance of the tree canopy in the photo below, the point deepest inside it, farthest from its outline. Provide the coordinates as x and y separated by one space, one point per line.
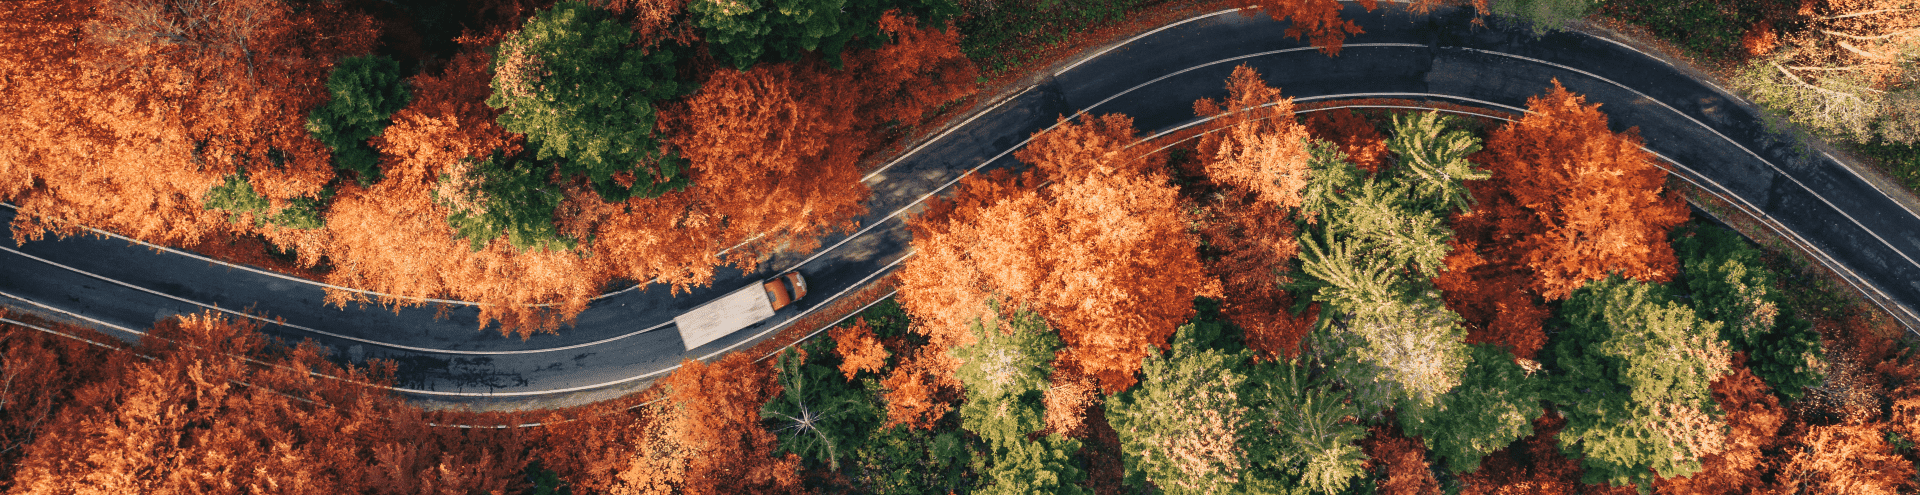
1633 371
572 82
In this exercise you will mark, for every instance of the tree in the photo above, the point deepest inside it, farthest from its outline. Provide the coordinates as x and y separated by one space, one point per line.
859 350
365 91
1317 21
1849 458
1256 143
1005 370
1579 201
1728 283
1493 406
1300 438
1181 428
1633 369
1398 463
571 83
705 435
1848 74
1386 336
1257 155
502 196
816 414
1103 254
741 33
1434 159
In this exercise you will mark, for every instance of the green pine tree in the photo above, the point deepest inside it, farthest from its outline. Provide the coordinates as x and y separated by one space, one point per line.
572 82
1300 438
1494 405
1632 369
818 414
502 195
1433 159
1180 429
1728 283
365 92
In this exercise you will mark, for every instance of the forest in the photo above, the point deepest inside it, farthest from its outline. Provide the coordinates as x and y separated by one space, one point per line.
1298 299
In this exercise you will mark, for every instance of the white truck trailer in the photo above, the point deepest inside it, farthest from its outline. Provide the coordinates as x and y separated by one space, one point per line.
739 309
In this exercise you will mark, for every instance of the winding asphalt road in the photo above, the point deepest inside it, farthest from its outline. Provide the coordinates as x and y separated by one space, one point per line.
626 338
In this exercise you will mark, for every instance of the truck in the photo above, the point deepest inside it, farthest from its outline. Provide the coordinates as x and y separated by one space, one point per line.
739 309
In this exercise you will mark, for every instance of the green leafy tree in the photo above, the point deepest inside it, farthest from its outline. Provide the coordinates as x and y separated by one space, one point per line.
572 82
1180 429
745 32
1494 405
903 460
818 414
1300 436
237 197
1728 283
1005 372
365 91
502 195
1433 159
1632 369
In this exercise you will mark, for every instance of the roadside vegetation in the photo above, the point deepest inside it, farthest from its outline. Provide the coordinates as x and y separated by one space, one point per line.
1330 302
1281 300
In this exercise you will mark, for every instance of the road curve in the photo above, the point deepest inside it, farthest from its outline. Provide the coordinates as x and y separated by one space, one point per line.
625 339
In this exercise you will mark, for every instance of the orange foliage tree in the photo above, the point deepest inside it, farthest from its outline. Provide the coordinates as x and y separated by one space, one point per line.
195 417
1256 153
1844 458
1102 252
1754 420
859 350
1402 460
1317 21
705 436
1572 201
178 96
1357 138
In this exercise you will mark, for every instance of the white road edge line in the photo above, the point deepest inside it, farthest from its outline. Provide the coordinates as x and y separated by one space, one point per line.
217 307
943 135
1130 41
1874 185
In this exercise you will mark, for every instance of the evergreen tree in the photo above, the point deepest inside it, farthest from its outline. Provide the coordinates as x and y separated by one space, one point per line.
573 84
1300 438
818 414
502 195
1180 428
745 32
1433 159
1005 372
1728 283
365 91
1494 405
1632 369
